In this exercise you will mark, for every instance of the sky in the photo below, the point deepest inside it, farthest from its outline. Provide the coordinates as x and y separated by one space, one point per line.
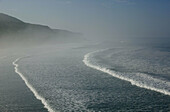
96 18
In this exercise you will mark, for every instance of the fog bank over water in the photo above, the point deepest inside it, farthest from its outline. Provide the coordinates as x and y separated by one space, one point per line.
124 21
124 44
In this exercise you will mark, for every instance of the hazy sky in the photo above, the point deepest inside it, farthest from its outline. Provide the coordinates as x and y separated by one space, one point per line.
102 18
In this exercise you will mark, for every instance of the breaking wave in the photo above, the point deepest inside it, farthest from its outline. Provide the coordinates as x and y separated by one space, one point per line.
142 80
36 94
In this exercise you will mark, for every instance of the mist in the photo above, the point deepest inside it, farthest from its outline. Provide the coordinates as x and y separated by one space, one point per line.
129 21
16 33
84 55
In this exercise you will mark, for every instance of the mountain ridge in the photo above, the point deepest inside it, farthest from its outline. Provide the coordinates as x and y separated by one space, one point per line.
14 29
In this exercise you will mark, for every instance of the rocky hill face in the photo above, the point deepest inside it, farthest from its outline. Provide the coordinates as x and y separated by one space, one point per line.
10 24
13 29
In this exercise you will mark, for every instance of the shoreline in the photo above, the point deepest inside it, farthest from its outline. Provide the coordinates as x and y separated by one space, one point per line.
33 90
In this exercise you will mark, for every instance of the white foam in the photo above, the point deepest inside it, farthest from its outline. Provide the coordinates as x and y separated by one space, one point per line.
36 94
138 79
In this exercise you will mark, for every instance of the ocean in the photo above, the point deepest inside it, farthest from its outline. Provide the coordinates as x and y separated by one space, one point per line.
89 79
15 96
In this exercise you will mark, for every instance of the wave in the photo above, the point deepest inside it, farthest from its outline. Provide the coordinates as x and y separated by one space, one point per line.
139 79
36 94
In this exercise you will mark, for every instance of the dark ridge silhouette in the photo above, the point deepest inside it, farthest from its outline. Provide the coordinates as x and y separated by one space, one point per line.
10 24
14 30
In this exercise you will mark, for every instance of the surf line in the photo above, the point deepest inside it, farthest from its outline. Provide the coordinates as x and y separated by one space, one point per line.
39 97
86 61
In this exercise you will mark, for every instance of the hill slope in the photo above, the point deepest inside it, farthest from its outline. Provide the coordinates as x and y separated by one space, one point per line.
14 30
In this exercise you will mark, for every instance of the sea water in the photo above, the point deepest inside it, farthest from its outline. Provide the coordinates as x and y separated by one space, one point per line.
113 79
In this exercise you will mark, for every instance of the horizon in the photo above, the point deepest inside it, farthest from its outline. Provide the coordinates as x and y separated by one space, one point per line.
84 55
97 19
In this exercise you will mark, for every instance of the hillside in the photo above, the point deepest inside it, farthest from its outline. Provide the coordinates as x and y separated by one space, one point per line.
10 24
14 30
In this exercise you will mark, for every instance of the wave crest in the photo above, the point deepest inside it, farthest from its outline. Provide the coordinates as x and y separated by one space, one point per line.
36 94
139 79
